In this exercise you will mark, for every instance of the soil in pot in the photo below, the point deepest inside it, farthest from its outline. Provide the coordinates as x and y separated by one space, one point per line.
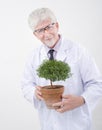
52 95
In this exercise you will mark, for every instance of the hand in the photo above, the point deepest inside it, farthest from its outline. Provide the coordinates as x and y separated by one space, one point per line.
38 93
69 102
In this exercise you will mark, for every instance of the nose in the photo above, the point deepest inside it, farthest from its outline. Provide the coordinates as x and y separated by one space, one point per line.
46 31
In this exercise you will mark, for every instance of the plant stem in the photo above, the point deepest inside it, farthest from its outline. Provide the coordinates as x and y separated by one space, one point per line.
51 83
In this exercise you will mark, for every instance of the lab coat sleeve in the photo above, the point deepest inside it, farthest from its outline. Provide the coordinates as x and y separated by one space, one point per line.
28 83
92 80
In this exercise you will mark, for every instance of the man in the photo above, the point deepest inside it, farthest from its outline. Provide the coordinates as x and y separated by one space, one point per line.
82 89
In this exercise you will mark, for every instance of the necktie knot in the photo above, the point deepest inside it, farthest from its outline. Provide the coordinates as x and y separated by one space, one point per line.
51 54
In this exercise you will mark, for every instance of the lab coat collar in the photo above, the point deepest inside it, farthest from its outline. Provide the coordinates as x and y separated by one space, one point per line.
61 54
43 54
63 50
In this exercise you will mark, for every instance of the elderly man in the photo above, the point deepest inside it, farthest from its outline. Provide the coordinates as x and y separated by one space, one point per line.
82 89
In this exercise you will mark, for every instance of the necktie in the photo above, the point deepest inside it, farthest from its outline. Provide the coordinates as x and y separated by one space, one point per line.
51 54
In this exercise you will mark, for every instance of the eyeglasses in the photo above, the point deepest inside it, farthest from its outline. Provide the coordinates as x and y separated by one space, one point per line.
42 30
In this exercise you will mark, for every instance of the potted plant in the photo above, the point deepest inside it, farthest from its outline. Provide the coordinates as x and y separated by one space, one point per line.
53 70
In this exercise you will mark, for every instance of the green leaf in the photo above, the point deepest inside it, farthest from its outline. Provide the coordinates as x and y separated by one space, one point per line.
54 70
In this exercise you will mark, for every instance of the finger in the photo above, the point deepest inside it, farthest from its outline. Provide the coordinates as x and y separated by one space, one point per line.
38 87
61 110
66 96
38 90
57 104
38 96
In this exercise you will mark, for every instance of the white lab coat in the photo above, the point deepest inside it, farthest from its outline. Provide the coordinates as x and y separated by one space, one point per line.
85 80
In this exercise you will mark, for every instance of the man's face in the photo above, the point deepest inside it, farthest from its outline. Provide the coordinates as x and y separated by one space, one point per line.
47 33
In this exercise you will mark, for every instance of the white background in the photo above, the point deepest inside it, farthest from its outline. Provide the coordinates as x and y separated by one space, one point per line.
80 21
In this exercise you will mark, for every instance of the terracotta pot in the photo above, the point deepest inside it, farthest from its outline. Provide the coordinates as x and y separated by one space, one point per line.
52 95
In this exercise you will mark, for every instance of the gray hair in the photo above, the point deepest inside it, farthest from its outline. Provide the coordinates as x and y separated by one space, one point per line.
40 15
